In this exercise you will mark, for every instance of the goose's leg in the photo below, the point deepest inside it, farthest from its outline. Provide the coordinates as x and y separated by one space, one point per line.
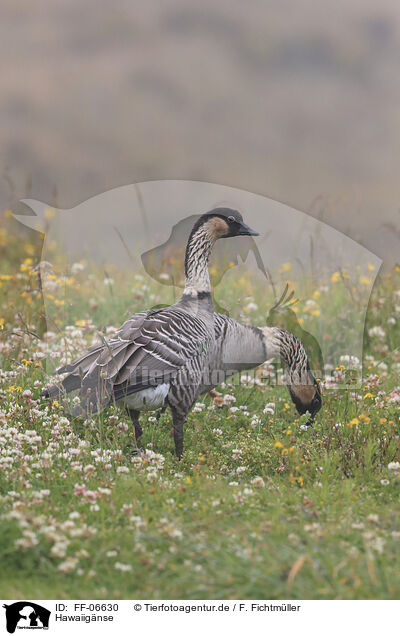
180 399
134 415
178 420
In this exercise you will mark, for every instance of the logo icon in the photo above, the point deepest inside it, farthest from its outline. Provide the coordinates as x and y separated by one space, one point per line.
26 615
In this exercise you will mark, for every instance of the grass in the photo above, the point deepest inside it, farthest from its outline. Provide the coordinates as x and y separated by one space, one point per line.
260 505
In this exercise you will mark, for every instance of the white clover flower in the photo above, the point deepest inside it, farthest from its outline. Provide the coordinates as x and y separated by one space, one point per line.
67 525
175 533
394 466
59 550
377 332
251 307
104 491
77 267
28 541
122 469
68 565
268 411
152 475
258 482
138 521
377 544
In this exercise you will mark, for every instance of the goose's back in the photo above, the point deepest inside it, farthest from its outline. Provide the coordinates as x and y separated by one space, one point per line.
151 348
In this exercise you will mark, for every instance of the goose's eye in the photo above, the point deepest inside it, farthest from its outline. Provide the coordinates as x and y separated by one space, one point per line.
231 219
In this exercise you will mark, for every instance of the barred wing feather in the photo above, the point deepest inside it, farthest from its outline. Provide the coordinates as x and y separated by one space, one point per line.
148 349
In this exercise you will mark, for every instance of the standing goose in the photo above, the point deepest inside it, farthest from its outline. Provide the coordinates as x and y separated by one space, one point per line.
157 356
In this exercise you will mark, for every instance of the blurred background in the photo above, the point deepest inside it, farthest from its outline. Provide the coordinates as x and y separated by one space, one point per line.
296 101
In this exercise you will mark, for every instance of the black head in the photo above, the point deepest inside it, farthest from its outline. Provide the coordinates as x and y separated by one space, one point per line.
225 223
306 397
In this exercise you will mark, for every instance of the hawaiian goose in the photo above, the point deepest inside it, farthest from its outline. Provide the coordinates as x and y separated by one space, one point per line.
157 356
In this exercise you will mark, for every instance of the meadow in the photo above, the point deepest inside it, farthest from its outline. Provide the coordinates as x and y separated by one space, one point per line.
260 506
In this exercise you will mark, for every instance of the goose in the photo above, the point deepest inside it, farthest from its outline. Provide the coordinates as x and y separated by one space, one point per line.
157 356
